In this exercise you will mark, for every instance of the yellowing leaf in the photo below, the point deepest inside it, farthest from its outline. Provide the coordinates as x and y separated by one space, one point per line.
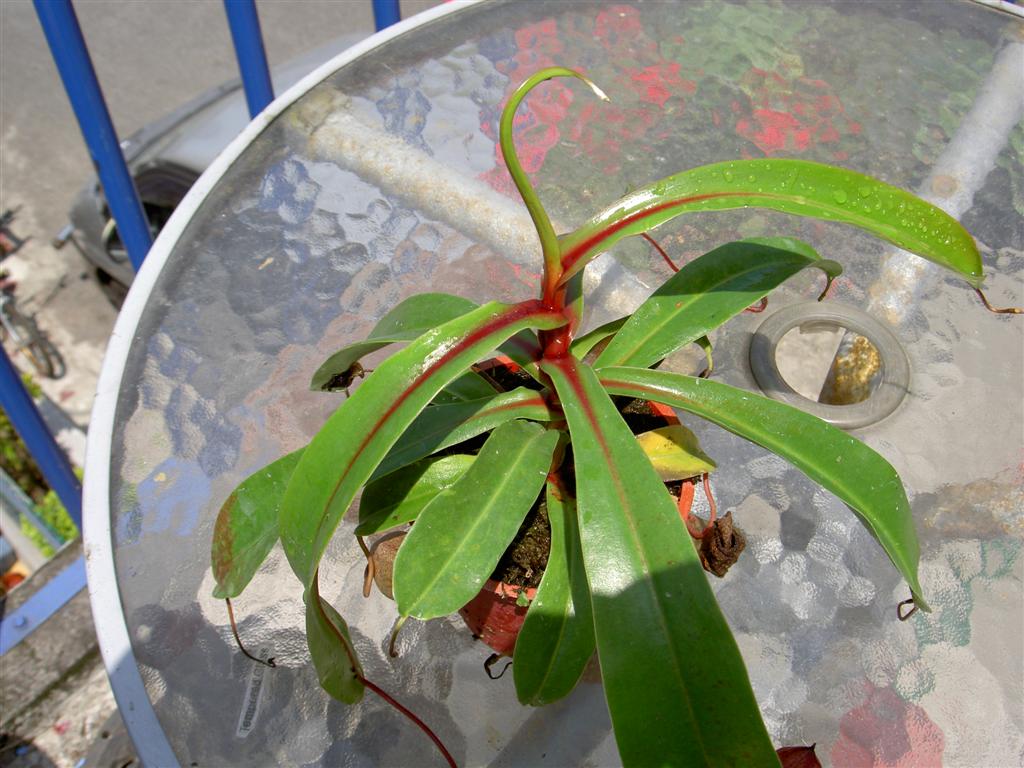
675 453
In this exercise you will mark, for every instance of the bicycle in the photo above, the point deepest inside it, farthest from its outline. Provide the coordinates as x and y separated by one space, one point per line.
26 336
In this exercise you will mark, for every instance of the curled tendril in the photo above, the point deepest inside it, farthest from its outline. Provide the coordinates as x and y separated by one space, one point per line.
902 614
392 650
997 310
491 661
234 631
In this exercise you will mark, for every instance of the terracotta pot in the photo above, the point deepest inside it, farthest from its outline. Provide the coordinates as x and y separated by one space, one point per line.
494 615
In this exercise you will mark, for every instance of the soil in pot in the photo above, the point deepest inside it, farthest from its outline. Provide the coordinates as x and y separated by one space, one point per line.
524 561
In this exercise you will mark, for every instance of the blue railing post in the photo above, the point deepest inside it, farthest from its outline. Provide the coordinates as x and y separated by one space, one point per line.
52 461
386 13
252 59
67 46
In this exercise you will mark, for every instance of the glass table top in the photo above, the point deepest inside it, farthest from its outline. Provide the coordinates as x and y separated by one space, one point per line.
385 180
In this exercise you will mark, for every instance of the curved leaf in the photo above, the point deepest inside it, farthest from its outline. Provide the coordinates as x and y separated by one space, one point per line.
360 432
582 345
841 464
791 186
442 426
408 320
334 658
524 349
402 495
705 293
672 672
469 386
557 638
247 527
459 537
675 453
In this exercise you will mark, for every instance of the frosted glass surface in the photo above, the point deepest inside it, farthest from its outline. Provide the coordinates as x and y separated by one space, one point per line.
319 228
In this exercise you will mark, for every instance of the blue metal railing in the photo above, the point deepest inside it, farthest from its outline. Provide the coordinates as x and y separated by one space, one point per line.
71 56
60 25
252 58
386 13
244 22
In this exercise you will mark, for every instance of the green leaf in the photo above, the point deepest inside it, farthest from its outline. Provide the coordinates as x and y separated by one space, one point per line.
677 690
360 432
442 426
675 453
524 349
705 293
582 345
545 232
246 528
399 497
459 538
705 344
838 462
469 386
408 320
557 638
574 301
791 186
334 658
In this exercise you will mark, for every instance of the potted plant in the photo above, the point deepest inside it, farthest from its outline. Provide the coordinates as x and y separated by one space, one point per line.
434 442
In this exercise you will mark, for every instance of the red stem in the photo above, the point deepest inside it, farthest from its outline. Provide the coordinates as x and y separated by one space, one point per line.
555 343
551 291
423 726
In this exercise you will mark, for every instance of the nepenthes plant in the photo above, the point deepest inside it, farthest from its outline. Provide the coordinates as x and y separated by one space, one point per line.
441 453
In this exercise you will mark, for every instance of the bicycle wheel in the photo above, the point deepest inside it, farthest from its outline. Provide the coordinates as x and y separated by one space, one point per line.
36 347
42 349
